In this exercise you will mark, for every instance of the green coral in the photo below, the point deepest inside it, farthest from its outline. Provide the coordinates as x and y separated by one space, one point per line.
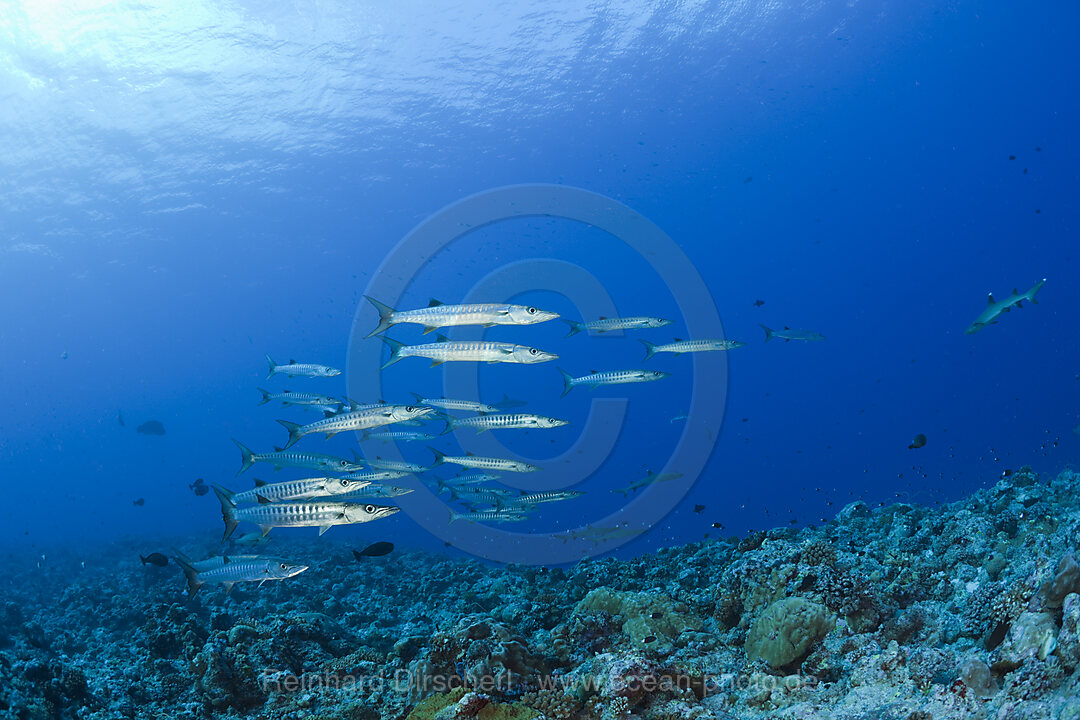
650 620
430 707
786 630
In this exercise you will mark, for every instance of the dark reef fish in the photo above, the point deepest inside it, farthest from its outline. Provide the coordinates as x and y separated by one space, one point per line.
155 558
151 427
376 550
138 503
918 442
199 487
120 418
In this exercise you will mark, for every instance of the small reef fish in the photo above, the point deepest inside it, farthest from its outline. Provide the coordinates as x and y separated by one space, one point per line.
450 404
322 514
495 516
120 418
787 334
503 421
151 427
139 502
1076 430
437 315
446 350
611 377
396 436
354 420
918 442
247 568
305 489
295 369
649 479
155 558
378 549
469 460
688 346
288 397
199 487
606 324
310 461
994 309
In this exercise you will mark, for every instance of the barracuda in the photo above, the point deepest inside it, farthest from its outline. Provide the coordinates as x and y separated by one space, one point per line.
381 490
533 499
787 334
437 315
504 421
288 397
397 435
354 420
298 490
309 461
606 324
228 570
321 514
482 463
396 465
377 475
689 346
295 369
496 516
450 404
467 351
612 377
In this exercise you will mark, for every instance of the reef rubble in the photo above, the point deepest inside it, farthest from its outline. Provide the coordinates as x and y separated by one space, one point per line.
903 612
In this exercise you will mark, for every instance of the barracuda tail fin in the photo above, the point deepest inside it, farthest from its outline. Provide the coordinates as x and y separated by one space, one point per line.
769 333
1030 294
440 458
451 423
266 396
192 575
567 381
386 316
294 432
247 456
228 510
395 351
650 348
273 367
508 402
575 327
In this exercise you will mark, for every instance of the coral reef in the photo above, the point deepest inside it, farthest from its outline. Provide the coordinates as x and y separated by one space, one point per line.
969 610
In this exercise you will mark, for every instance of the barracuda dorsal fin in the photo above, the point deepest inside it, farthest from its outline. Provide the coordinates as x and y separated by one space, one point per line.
435 303
262 499
603 317
990 299
469 454
292 361
225 560
680 339
259 483
437 363
441 338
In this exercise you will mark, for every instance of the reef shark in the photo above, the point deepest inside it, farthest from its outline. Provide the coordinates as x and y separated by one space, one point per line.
995 308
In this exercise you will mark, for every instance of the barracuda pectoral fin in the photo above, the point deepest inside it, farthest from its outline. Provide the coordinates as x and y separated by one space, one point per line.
430 328
436 363
228 587
481 429
265 529
262 499
487 325
331 434
261 582
323 529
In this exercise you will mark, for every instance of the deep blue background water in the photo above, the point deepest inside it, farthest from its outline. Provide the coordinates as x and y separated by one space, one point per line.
184 190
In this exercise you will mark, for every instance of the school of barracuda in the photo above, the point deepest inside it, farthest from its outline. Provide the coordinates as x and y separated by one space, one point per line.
345 491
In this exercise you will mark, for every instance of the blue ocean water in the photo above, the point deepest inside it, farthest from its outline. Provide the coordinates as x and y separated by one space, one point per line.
187 188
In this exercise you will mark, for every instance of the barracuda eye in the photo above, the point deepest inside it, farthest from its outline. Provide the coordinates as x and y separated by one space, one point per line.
531 311
370 509
344 483
410 409
284 566
533 351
